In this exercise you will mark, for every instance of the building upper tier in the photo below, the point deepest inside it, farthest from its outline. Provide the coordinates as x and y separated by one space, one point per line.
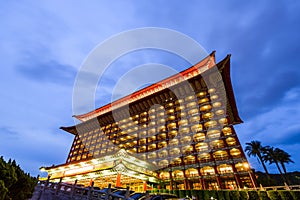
203 76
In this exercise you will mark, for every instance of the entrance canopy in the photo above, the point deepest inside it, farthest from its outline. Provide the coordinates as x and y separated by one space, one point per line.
106 169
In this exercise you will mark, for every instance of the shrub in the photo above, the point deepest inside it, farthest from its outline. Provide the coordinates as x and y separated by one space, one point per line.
227 194
200 194
176 192
243 195
273 195
221 195
213 193
194 193
263 195
165 191
234 195
285 195
3 190
206 195
253 195
295 194
188 193
181 193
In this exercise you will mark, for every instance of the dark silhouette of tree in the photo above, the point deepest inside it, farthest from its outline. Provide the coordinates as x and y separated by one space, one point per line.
255 149
14 182
283 158
272 155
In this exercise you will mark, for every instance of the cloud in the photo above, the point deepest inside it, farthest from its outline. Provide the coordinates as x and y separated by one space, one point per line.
47 71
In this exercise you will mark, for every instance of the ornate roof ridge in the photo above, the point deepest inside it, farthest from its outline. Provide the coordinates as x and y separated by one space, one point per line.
200 67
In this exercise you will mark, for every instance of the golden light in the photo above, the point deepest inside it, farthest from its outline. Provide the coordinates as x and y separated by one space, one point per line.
211 90
217 104
204 100
205 108
201 94
214 97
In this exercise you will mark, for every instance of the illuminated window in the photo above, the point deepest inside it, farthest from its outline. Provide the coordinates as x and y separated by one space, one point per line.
212 90
163 163
235 152
217 104
243 166
224 168
191 105
202 146
203 100
220 155
223 121
210 124
189 98
204 157
183 122
173 142
192 172
205 108
193 111
194 119
227 131
201 94
231 141
196 128
199 137
217 144
213 134
207 170
208 115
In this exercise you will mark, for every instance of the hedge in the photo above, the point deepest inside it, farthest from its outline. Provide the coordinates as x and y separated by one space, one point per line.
182 194
263 195
285 195
234 194
227 194
273 195
243 195
221 195
253 195
295 194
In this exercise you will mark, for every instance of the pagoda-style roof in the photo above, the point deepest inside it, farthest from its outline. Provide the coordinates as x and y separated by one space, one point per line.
205 67
193 71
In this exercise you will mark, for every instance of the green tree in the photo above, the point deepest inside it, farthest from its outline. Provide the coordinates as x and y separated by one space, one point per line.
272 155
255 149
284 158
14 182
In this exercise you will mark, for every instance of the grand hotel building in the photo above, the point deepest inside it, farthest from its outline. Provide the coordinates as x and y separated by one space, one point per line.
176 134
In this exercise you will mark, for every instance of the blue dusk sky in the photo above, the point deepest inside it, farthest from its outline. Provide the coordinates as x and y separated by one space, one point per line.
44 43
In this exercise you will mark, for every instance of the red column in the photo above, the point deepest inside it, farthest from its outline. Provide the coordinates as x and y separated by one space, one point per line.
118 181
91 182
145 185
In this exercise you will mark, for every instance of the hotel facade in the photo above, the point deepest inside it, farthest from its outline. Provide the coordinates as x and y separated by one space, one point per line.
176 134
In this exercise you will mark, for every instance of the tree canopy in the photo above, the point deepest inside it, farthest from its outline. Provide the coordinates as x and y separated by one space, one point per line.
14 182
271 155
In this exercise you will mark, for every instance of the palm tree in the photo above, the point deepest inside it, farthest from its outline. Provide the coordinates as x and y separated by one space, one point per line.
283 157
255 149
272 155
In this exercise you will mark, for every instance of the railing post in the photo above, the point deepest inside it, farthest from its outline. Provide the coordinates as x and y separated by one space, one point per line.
73 189
127 193
90 190
108 192
58 186
147 196
47 182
